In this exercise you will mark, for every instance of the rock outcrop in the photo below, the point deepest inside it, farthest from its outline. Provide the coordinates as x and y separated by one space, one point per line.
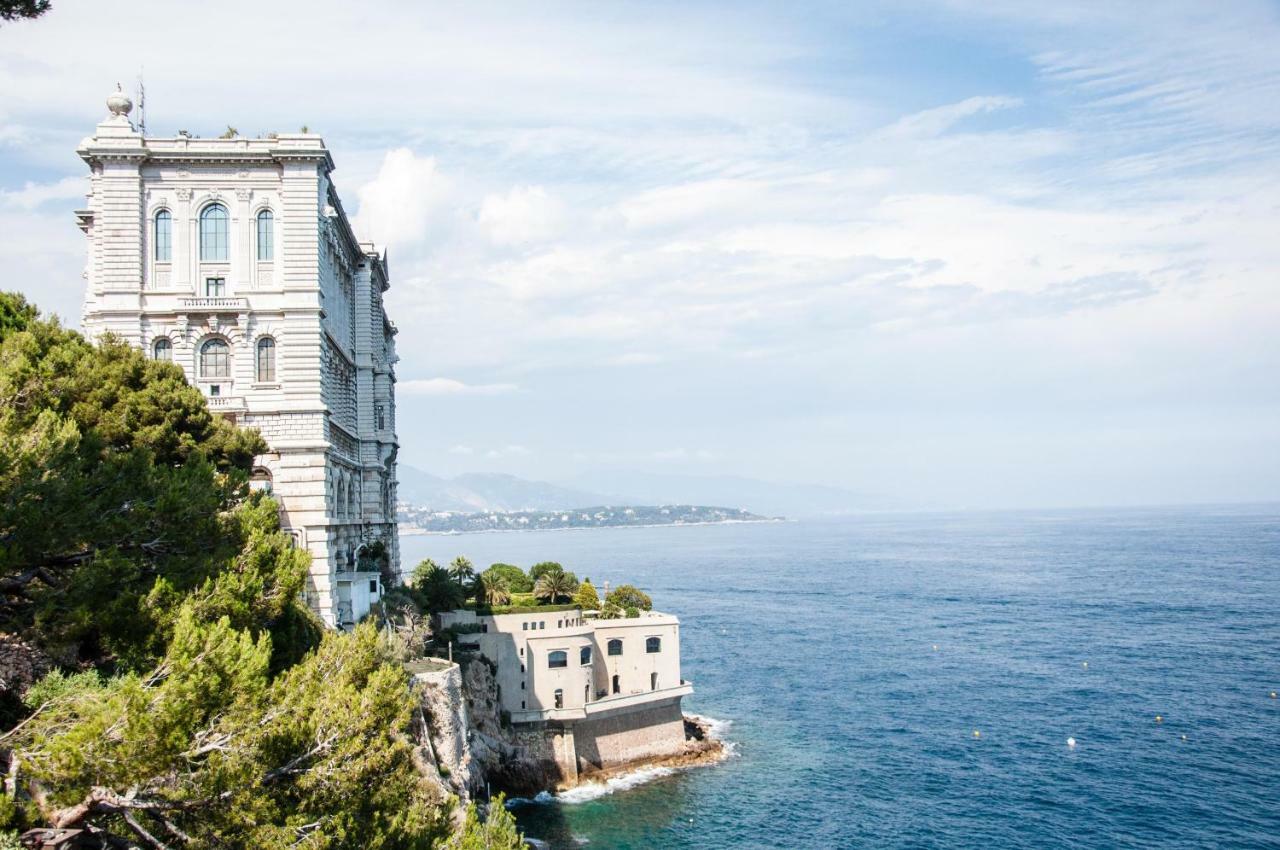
466 742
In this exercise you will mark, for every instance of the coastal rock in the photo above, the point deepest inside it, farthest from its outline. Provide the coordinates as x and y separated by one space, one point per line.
469 746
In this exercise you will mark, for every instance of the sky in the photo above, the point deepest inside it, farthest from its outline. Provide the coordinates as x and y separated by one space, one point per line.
956 253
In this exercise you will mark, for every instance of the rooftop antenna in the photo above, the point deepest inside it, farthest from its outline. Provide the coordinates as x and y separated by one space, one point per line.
142 106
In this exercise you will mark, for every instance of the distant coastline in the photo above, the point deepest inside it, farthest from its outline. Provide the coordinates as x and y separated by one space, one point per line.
414 531
420 522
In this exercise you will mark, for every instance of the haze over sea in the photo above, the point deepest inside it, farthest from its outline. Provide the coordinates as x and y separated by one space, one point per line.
816 641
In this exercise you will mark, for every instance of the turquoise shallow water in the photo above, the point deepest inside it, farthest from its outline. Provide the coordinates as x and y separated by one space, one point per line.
815 640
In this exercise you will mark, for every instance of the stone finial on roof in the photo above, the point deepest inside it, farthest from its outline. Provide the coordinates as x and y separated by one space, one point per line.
119 104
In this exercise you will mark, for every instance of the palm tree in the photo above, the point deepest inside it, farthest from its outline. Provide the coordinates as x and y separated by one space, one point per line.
554 584
462 570
491 589
436 588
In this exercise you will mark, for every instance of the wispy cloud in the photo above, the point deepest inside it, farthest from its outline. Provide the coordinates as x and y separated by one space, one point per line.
450 386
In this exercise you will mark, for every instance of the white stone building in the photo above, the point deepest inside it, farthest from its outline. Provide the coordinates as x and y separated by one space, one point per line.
606 692
233 258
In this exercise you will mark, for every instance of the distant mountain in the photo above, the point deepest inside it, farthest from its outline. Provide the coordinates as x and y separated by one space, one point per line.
489 492
761 497
479 492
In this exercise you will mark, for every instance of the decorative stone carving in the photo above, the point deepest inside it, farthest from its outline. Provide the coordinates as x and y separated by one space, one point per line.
244 194
184 194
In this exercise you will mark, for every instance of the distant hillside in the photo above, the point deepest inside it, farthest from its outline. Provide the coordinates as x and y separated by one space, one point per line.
413 521
763 497
477 492
481 492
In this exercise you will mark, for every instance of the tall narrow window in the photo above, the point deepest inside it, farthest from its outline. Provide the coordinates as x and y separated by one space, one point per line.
215 287
584 656
164 236
266 360
653 681
617 684
213 234
215 359
266 235
559 696
162 349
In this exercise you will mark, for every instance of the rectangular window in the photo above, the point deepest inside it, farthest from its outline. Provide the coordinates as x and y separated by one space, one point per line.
266 235
164 236
524 627
373 585
215 287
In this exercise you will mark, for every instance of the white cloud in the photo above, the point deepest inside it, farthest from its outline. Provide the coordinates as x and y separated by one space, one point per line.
933 122
523 215
450 386
33 195
398 207
461 450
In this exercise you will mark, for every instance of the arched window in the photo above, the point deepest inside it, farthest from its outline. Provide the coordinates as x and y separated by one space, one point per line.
617 684
653 681
584 656
653 644
558 658
213 234
266 235
162 349
340 500
215 359
353 497
615 647
266 360
164 236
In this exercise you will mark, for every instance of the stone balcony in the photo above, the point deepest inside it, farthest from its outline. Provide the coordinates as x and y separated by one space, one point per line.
226 403
219 304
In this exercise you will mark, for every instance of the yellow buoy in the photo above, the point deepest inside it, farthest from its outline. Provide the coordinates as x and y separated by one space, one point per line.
977 734
1085 664
1159 719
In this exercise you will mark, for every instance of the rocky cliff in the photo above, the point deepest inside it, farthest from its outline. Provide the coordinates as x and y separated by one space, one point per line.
464 740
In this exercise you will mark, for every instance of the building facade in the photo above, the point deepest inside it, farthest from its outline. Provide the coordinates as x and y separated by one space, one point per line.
233 258
605 693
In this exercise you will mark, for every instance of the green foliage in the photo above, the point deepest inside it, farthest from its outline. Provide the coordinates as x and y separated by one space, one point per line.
208 741
462 571
15 313
555 585
518 581
215 712
435 588
632 612
496 832
113 473
586 598
628 596
491 589
538 570
9 841
12 10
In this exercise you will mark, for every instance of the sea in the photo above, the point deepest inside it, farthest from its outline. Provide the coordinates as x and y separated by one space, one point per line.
1037 679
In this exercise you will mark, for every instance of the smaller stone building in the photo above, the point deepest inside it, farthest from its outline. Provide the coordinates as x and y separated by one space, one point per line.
604 693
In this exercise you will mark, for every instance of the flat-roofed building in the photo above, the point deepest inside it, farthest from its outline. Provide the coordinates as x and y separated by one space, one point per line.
611 688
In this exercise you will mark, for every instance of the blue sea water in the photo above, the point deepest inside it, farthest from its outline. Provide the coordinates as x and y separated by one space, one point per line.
816 642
